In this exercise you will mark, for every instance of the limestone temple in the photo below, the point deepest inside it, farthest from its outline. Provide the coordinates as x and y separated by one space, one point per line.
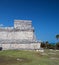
20 37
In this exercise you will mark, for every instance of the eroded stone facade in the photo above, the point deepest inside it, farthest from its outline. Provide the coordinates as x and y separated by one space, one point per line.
21 36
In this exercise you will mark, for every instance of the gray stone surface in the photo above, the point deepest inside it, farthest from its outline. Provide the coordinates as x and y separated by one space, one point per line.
21 36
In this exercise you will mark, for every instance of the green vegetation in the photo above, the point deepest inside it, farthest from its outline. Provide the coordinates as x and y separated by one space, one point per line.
57 36
57 44
47 45
16 57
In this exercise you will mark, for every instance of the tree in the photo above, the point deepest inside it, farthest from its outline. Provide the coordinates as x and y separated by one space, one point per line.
46 44
51 46
43 45
57 44
57 36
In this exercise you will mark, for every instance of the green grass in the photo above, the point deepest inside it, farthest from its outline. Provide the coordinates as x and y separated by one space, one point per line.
17 57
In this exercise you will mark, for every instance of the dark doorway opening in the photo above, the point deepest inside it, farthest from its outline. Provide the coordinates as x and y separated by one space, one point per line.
0 48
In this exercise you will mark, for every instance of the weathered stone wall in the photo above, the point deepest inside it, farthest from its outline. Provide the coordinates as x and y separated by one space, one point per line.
22 30
16 35
31 46
22 24
21 36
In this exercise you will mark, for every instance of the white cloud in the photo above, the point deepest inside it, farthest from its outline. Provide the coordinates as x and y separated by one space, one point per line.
1 25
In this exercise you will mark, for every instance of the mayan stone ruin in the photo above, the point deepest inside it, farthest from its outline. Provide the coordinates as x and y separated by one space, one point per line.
20 37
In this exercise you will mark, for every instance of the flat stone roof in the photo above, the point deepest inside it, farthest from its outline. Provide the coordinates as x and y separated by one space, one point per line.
26 21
